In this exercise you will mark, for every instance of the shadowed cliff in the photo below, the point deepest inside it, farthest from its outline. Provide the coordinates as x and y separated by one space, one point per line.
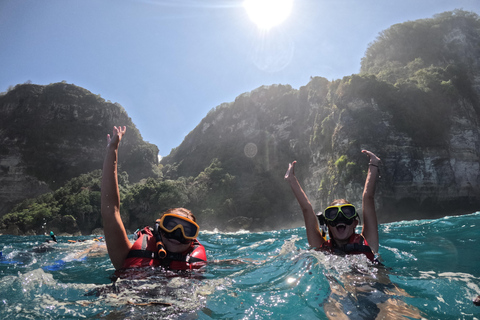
51 134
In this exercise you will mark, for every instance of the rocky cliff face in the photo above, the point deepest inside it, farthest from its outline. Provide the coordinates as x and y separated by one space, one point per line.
15 184
418 110
417 181
50 134
435 178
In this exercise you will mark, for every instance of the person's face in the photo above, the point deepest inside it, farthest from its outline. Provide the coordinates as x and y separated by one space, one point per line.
343 231
174 245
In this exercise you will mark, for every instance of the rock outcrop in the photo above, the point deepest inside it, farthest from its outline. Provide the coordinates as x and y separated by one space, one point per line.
50 134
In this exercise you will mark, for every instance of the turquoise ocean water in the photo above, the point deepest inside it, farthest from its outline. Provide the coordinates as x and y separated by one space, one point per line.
431 270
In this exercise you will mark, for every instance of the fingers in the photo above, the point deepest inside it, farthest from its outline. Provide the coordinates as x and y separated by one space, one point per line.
369 153
373 158
290 170
119 129
118 132
287 174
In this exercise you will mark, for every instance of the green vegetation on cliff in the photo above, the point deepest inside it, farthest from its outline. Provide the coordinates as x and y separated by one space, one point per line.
71 208
75 207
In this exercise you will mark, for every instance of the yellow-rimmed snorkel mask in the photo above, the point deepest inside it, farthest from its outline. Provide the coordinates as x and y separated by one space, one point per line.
171 222
348 214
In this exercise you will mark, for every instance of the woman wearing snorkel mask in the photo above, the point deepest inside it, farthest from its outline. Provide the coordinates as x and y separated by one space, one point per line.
341 217
172 243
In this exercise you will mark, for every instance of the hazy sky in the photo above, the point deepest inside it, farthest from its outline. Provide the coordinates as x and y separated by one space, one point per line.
169 62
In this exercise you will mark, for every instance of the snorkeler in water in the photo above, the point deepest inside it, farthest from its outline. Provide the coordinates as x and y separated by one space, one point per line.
172 242
52 235
341 218
47 246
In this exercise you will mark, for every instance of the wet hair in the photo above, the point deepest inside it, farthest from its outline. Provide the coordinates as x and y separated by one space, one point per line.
184 211
339 201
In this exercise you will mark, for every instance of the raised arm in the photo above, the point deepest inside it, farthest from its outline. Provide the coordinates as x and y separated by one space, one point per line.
116 238
314 235
370 225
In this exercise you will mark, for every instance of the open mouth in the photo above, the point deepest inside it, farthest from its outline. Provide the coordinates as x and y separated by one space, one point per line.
341 227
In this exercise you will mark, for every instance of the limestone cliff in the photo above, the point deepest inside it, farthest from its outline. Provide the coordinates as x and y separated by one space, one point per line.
417 107
50 134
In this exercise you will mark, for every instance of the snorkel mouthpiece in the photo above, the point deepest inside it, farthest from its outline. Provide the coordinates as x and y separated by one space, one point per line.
176 235
341 219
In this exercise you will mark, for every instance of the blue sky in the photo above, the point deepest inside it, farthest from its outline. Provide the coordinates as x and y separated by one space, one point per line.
169 62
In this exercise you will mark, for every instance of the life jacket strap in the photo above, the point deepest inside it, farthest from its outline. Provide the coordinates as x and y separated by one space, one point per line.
142 254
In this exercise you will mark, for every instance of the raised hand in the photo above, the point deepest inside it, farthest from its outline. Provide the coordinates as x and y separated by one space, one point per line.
291 170
117 136
374 160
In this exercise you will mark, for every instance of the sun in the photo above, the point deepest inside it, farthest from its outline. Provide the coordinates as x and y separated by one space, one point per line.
268 13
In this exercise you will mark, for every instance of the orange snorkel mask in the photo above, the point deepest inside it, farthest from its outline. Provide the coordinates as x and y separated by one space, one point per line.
178 227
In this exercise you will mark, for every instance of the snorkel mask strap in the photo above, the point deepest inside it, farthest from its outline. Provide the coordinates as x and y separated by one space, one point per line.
162 253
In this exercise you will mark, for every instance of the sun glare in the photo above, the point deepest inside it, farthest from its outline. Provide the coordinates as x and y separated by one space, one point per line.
268 13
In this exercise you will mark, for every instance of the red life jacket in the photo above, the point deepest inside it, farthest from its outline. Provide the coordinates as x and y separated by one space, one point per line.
144 253
357 244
